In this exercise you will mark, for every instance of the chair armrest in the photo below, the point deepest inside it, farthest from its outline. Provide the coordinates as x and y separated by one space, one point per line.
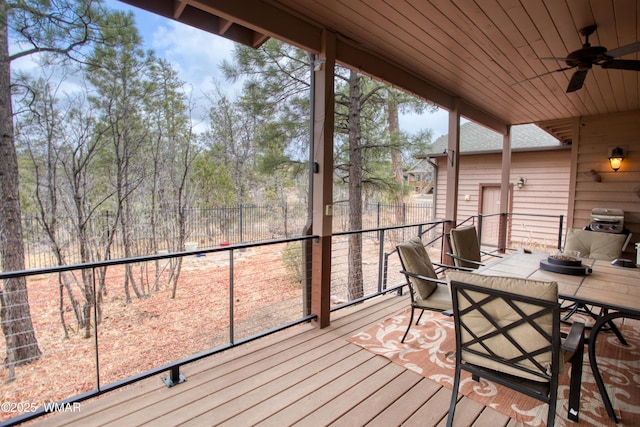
417 276
465 260
575 337
452 267
490 254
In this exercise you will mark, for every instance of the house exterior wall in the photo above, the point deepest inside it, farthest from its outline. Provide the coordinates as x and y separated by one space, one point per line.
619 190
546 190
420 176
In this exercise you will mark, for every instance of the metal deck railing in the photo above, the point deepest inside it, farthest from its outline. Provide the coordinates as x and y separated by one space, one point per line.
115 335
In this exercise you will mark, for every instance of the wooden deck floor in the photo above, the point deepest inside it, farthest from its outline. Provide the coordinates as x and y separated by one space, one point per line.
302 376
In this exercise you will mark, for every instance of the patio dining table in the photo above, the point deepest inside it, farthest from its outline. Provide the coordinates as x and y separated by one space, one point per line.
612 289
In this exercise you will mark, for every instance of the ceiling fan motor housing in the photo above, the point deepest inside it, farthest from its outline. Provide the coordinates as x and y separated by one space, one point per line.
587 55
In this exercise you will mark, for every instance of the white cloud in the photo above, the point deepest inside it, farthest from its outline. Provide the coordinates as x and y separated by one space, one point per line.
26 64
196 55
438 122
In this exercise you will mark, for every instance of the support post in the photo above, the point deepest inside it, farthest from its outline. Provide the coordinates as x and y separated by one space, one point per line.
504 191
323 123
453 170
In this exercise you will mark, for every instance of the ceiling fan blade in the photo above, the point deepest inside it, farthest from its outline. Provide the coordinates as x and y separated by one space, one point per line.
540 75
622 64
624 50
577 80
553 58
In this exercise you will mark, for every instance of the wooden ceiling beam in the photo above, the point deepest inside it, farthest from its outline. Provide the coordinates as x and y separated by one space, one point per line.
178 8
265 19
223 25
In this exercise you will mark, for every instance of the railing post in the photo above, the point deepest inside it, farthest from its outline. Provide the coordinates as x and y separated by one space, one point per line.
560 232
231 298
480 230
404 213
108 228
241 222
95 325
285 214
175 377
502 232
382 270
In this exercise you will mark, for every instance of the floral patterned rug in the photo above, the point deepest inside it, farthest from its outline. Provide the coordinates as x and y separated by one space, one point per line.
428 350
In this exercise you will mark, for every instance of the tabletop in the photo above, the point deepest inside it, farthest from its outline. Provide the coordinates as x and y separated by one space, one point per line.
612 288
606 286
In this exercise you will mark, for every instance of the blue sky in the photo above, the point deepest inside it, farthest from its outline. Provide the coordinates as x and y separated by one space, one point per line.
196 55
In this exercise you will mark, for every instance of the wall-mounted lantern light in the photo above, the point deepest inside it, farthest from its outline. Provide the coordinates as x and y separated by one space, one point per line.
520 182
616 158
451 156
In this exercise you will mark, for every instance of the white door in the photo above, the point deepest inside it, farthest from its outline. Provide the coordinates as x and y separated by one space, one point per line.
490 205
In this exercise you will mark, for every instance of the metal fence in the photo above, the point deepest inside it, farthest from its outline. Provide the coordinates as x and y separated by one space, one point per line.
204 228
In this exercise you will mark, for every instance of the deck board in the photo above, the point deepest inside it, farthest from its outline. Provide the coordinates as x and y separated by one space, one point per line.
433 411
278 401
403 408
378 401
297 380
301 376
351 395
321 396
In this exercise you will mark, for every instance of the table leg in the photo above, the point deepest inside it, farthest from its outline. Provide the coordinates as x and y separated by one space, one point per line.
579 307
593 336
616 331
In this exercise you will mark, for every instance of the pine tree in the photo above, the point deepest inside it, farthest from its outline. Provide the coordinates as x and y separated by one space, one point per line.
59 28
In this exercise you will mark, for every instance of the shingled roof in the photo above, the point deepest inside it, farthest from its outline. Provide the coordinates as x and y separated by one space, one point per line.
474 138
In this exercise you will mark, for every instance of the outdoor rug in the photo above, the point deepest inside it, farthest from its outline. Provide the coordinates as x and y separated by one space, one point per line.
428 350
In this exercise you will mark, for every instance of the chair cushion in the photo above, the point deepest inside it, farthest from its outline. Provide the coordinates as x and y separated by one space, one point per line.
464 243
440 299
591 244
415 259
524 334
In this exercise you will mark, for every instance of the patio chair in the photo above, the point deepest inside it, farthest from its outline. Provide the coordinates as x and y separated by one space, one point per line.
465 247
595 245
427 291
508 332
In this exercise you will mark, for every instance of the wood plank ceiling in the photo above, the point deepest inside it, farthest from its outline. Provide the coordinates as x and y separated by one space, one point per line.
472 50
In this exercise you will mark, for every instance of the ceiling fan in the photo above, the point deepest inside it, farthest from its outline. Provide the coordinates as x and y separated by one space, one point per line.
583 59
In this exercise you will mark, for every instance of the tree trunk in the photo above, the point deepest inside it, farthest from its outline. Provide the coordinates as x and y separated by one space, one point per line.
396 164
356 288
21 344
396 159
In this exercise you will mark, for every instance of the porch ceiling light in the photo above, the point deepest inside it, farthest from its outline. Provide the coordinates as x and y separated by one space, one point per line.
616 158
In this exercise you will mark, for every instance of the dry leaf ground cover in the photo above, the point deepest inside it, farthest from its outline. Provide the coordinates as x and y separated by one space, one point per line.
151 331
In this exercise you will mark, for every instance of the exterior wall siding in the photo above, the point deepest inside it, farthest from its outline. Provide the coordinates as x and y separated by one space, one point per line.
554 187
619 190
545 192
